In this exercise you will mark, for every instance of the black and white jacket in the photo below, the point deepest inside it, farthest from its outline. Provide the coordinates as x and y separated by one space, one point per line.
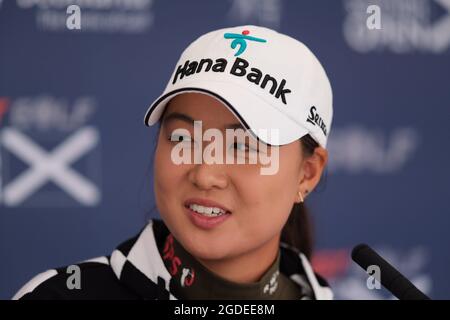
135 270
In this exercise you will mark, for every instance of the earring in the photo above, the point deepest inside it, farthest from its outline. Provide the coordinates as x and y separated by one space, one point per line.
301 196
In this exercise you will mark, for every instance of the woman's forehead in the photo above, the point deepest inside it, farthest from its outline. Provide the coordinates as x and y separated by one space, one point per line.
199 106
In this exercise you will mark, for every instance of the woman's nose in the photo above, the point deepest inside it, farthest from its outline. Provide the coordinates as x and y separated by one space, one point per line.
208 176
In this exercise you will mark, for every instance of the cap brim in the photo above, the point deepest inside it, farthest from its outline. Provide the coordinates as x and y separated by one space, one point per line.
252 111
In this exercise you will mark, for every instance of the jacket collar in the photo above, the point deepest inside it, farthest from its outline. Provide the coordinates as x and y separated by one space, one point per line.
137 263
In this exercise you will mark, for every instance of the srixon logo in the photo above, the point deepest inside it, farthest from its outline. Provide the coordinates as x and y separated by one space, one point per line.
315 119
239 68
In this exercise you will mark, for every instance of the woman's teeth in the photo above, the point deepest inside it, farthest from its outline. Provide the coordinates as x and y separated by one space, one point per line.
207 211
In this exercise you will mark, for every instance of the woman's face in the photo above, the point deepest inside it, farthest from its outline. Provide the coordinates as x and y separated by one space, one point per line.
259 204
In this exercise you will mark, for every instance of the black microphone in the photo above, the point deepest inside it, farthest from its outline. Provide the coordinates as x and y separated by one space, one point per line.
390 278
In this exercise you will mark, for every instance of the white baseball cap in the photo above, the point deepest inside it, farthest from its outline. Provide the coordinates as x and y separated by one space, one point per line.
266 79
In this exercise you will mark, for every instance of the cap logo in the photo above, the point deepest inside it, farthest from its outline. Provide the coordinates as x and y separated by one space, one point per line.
315 119
240 39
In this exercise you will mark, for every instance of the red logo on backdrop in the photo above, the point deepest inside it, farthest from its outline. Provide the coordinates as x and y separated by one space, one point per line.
331 263
4 102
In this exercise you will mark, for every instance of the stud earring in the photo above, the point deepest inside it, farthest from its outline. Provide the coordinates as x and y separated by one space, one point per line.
301 196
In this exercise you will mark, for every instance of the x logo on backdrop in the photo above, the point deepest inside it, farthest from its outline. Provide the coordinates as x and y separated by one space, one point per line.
47 143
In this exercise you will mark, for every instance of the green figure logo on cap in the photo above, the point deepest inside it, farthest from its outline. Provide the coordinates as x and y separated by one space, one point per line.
239 39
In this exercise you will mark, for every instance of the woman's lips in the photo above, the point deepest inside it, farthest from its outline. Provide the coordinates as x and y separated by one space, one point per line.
205 203
202 221
205 222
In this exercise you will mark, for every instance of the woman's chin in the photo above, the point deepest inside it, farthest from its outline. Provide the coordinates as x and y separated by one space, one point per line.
208 251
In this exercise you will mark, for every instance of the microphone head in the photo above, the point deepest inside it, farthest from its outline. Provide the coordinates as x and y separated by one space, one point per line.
364 255
358 249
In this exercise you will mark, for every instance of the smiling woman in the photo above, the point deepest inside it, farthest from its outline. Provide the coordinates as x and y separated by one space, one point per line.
228 231
203 205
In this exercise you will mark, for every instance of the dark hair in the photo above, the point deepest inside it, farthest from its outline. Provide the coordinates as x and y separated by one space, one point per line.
298 230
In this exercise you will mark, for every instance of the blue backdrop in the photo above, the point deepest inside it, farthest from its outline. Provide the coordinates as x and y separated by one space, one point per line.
75 157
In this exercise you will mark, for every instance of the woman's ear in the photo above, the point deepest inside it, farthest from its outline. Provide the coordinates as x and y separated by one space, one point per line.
311 171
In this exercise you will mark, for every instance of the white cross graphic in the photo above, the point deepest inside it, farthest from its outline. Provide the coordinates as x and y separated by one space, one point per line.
440 31
54 166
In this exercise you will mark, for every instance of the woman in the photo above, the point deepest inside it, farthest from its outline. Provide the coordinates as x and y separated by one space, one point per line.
243 126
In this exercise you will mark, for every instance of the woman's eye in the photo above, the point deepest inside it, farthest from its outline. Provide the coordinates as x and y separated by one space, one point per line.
242 147
179 138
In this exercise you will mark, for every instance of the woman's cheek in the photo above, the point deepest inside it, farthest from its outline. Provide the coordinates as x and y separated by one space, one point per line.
165 178
263 208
